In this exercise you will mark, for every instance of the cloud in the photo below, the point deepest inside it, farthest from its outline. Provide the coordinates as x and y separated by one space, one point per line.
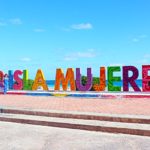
15 21
145 59
75 56
139 38
85 54
82 26
116 64
135 40
3 24
147 56
68 58
26 59
66 29
39 30
143 36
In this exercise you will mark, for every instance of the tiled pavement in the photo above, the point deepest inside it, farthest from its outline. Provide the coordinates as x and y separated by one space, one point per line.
110 106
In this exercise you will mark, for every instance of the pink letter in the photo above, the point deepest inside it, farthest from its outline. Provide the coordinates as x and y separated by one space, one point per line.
18 85
146 78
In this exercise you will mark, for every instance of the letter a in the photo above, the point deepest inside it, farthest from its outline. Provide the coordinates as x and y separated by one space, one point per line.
39 81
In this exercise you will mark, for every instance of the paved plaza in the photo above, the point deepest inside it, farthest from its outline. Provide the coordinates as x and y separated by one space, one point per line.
16 136
111 106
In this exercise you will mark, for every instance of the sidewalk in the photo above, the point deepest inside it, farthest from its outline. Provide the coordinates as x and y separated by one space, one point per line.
32 137
107 106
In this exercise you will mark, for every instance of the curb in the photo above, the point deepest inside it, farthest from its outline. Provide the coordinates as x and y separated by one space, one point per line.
77 116
79 126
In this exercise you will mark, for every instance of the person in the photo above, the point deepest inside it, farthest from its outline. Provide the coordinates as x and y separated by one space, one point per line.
5 83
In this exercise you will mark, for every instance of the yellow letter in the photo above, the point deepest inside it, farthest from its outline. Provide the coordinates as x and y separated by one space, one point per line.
39 81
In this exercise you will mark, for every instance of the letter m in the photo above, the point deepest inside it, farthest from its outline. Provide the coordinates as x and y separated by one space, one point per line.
64 80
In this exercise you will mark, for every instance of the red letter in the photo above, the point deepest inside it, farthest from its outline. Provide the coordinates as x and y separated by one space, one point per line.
1 79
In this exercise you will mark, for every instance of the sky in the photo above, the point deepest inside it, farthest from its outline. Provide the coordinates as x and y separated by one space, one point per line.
51 34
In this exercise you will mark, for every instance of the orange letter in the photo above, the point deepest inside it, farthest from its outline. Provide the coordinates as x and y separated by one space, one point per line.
60 78
102 85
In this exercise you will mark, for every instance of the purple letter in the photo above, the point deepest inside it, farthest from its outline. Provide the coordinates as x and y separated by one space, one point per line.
79 85
131 80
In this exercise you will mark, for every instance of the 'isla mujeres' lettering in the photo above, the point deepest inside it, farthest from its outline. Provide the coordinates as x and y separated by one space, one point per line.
19 80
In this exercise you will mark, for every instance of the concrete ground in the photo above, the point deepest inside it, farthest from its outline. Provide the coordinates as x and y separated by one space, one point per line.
15 136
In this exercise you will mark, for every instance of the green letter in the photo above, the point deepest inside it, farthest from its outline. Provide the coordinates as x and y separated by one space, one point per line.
112 79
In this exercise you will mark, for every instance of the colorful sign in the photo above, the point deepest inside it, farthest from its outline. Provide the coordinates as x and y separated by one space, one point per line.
19 80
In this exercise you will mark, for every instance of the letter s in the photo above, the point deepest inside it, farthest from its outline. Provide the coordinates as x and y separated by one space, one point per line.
18 85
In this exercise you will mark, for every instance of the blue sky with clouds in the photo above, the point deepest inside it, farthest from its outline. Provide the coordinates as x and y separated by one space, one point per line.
50 34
